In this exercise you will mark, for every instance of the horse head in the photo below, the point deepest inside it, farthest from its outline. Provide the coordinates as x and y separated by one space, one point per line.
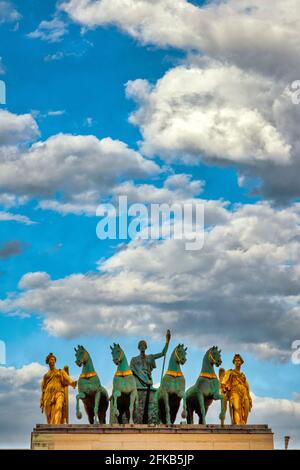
214 356
82 356
180 354
117 353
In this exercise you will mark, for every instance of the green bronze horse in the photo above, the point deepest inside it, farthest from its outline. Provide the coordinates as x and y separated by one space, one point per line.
91 392
207 388
124 395
172 387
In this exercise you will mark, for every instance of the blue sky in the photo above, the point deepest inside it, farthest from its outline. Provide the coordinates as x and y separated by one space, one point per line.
77 86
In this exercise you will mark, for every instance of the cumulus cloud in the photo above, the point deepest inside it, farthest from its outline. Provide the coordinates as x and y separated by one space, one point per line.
250 33
242 287
234 110
220 114
176 188
282 415
80 168
34 280
16 129
216 111
8 13
19 397
74 164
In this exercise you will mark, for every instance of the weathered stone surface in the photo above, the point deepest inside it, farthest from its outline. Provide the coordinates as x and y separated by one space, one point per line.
152 437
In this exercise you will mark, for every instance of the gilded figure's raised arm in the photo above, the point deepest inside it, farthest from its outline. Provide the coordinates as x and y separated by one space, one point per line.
67 380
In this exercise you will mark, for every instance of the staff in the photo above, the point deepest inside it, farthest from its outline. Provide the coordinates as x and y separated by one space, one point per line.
168 337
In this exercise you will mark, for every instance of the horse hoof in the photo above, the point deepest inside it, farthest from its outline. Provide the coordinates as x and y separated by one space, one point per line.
183 414
79 415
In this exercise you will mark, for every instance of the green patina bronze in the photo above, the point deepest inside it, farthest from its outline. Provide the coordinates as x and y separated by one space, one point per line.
142 366
207 388
124 395
171 390
91 392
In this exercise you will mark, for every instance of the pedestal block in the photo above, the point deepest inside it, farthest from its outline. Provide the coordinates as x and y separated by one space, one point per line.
151 437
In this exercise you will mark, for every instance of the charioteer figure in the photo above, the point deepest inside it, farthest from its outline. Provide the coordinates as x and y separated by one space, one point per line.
142 367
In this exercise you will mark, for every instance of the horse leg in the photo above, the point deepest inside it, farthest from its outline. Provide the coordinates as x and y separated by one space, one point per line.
184 414
190 416
96 406
220 396
133 399
190 411
103 405
167 407
174 407
202 408
80 396
115 396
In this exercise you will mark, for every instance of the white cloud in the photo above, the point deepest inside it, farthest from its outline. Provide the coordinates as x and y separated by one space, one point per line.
8 13
19 396
245 280
50 31
250 33
58 112
214 112
233 108
176 188
78 206
81 168
222 115
60 55
16 129
77 164
21 378
10 217
10 200
283 417
34 280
